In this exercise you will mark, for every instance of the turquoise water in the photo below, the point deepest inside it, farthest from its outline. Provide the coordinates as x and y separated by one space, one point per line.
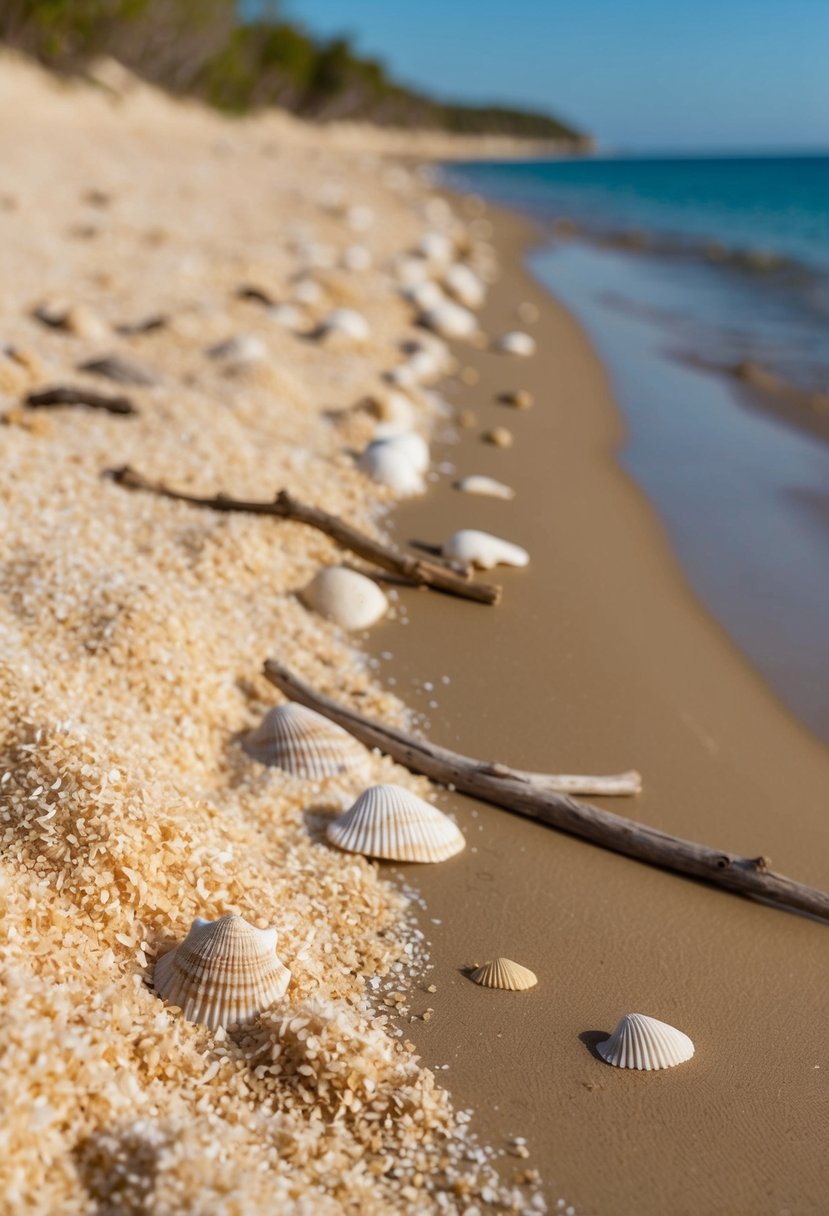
743 490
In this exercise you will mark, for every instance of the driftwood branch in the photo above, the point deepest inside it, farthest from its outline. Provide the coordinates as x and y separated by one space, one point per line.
451 577
66 394
512 790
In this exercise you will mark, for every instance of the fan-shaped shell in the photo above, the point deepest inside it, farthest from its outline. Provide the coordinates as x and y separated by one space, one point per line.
392 823
346 323
464 285
224 971
642 1042
483 550
305 744
449 320
244 348
504 973
516 343
345 597
487 487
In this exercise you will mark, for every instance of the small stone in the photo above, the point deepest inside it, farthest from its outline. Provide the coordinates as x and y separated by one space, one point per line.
519 399
499 436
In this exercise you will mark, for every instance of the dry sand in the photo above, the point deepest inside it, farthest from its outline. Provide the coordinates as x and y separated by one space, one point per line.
133 632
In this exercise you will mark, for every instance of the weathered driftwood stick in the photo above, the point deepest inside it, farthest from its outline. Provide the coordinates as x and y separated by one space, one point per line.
66 394
510 789
451 577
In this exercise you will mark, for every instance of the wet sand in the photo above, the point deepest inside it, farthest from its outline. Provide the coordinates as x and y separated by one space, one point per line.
599 659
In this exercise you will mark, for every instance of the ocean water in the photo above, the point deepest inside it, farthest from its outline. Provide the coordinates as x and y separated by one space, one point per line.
679 270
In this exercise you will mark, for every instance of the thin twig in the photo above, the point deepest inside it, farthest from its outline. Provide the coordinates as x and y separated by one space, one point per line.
66 394
451 577
510 789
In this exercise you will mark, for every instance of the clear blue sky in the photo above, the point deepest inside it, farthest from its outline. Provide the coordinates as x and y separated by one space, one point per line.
661 74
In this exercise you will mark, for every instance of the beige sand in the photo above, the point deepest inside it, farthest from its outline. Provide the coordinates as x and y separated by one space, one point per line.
598 660
132 633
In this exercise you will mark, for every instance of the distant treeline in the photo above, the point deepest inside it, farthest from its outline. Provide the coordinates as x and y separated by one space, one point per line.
203 48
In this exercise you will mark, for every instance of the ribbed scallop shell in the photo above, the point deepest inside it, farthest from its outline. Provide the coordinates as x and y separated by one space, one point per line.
304 743
642 1042
504 973
224 971
392 823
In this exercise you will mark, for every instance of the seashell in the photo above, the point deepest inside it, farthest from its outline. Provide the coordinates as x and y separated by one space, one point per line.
398 461
642 1042
516 342
484 550
464 285
487 487
519 399
449 320
345 597
356 257
423 295
75 319
306 291
224 971
360 219
499 437
304 743
504 973
393 824
119 369
245 348
436 248
344 323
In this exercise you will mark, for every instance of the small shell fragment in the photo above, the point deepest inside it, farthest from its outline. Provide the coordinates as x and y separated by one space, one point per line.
484 550
486 487
516 342
499 437
645 1043
305 744
346 324
244 348
225 971
504 973
519 398
392 823
349 599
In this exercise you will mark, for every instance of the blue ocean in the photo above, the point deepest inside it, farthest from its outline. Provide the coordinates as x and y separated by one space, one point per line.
685 272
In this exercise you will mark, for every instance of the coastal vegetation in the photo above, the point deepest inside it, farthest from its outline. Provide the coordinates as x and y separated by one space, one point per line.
207 49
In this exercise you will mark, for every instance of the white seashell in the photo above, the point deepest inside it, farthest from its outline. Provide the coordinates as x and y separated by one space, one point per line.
449 320
307 291
436 247
245 348
484 550
356 257
423 295
224 971
464 285
305 744
398 461
346 323
487 487
504 973
515 343
642 1042
413 445
285 314
347 598
392 823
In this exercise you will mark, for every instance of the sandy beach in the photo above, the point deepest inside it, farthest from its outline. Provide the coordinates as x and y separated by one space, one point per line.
133 633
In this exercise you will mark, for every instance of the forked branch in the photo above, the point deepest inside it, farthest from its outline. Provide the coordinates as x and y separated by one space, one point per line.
527 794
450 577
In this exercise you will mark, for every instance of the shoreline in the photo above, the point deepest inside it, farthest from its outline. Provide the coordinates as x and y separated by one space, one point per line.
579 669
